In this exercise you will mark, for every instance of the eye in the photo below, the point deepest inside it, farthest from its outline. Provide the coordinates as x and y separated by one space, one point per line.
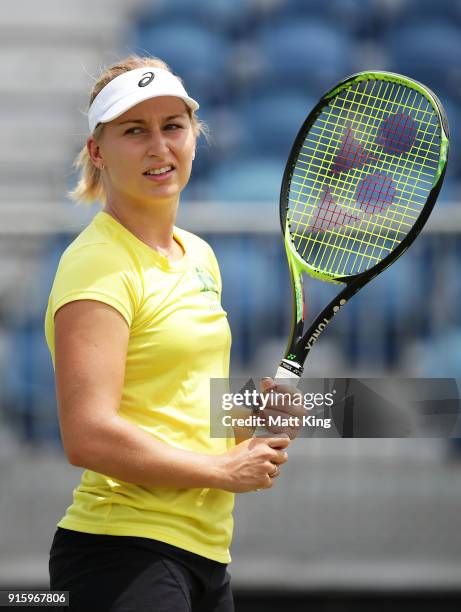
173 126
133 130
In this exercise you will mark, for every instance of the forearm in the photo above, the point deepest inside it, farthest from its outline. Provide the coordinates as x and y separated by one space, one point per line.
126 452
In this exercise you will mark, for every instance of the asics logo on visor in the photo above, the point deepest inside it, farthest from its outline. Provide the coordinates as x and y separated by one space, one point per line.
147 78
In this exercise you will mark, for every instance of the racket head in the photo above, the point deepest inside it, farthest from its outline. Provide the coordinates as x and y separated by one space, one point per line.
363 174
362 178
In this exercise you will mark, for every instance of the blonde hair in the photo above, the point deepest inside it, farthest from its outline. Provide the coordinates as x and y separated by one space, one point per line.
90 188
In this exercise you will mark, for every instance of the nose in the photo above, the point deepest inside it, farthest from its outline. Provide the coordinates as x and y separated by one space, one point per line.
158 144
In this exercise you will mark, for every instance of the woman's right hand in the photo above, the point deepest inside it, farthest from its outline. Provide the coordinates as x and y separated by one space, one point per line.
252 464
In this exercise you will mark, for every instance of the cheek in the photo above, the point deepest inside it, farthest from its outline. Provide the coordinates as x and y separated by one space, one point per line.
188 146
126 161
189 156
188 159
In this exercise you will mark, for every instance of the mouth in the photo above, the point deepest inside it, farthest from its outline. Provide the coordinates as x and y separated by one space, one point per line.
160 172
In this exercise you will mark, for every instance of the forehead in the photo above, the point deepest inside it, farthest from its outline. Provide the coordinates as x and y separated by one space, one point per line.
163 106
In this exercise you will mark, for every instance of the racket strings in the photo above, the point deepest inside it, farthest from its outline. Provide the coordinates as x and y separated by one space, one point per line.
386 246
397 134
423 158
329 214
351 154
363 175
348 181
349 117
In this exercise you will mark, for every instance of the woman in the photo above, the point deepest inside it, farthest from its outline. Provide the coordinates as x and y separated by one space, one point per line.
136 330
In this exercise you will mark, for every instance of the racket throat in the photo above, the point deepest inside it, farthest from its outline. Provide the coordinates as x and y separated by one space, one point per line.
316 333
324 318
300 351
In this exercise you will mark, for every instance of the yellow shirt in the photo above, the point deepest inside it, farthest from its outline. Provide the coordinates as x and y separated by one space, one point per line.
179 339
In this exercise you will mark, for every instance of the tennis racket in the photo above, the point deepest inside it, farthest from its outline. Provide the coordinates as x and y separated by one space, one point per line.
361 180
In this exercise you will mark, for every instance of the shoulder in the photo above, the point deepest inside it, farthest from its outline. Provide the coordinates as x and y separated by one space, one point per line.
101 254
96 267
97 246
95 260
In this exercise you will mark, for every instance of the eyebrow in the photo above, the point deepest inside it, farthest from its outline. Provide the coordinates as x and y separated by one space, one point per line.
169 118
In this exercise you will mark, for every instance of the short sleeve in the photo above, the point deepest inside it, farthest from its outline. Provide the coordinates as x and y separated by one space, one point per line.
101 272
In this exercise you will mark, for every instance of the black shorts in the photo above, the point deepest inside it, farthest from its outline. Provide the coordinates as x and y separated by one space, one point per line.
126 574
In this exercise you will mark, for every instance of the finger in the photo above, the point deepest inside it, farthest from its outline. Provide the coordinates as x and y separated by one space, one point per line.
275 472
283 457
287 430
280 458
282 442
278 429
291 433
266 384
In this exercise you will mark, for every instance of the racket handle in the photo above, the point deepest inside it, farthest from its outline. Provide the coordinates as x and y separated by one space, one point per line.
284 374
289 369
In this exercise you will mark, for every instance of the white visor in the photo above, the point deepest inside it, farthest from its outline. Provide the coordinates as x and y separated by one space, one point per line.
131 88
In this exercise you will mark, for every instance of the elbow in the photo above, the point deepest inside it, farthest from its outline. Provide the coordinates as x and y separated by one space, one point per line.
82 447
77 453
75 456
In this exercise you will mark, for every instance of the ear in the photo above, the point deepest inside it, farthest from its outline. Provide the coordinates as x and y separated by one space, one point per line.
94 152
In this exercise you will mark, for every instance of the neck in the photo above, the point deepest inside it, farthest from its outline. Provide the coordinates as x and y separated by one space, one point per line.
153 225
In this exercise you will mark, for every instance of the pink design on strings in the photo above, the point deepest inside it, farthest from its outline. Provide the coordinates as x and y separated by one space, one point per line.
330 215
397 134
375 192
351 154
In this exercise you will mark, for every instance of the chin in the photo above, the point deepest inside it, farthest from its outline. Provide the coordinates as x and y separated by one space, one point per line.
164 197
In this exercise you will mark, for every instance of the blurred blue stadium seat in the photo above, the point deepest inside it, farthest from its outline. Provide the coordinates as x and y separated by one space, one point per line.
311 54
225 16
225 130
429 51
271 121
354 16
247 180
411 10
450 194
256 293
442 355
28 382
200 57
387 311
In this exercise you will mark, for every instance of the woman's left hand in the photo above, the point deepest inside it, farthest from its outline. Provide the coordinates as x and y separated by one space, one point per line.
284 411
